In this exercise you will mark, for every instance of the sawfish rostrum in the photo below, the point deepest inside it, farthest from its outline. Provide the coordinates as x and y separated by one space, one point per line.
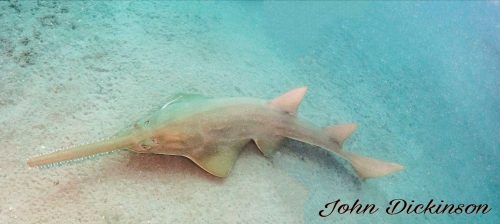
211 132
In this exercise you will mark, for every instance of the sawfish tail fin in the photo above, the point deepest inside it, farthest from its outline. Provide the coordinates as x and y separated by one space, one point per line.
86 150
365 167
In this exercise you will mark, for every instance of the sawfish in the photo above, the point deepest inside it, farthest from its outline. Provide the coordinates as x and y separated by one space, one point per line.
211 132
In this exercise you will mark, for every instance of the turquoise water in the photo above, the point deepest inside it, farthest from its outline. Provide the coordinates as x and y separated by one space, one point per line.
420 78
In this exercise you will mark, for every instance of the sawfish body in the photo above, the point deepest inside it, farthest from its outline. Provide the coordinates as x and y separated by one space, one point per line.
211 132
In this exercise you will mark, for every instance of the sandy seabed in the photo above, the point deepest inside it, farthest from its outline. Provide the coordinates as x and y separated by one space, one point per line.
76 72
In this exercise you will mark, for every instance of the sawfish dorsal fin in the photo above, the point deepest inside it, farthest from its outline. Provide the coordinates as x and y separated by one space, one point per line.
340 133
219 159
290 101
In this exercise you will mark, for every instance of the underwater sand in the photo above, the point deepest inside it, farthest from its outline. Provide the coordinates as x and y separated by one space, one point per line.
421 80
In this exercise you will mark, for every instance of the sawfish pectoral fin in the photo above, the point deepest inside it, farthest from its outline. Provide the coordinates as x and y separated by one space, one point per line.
218 160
